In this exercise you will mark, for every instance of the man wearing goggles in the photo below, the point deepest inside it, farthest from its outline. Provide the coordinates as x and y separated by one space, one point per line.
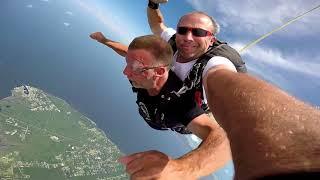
148 62
274 117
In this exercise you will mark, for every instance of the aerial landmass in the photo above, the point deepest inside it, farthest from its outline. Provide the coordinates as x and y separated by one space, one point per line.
42 138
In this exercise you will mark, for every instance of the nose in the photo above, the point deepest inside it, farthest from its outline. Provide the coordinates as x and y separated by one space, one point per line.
127 71
188 36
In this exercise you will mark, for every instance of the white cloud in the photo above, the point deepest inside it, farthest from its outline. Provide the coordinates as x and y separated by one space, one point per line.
273 57
29 6
69 13
66 24
260 17
112 22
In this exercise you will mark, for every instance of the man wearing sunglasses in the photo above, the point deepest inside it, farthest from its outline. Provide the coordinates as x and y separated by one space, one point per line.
148 60
196 49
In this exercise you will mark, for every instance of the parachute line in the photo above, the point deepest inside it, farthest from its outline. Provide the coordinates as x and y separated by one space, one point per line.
252 43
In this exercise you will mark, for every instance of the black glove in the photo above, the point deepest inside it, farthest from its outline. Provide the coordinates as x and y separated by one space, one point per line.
153 5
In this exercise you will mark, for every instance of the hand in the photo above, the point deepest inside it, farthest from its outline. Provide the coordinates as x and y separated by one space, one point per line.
98 36
159 1
152 165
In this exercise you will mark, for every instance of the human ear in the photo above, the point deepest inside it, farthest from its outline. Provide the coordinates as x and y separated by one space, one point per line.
213 39
160 71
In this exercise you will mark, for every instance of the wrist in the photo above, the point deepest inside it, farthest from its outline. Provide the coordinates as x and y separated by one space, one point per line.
104 40
153 5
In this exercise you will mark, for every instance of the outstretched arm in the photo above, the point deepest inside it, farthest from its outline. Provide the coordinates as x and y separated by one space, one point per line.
270 132
156 21
119 48
212 154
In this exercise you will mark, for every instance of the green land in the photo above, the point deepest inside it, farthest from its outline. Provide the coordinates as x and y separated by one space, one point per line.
43 138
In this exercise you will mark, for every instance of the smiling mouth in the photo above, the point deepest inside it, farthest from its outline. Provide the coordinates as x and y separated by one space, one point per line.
188 45
187 48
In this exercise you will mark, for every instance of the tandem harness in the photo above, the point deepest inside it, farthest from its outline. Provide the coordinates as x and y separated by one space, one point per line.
193 82
189 89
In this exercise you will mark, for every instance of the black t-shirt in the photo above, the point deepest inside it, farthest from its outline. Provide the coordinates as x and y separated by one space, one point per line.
163 112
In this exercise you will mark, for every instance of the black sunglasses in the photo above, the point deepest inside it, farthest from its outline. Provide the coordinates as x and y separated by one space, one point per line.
195 31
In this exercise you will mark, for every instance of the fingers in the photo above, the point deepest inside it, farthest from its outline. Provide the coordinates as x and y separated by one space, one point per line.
145 165
93 35
96 35
132 162
127 159
134 166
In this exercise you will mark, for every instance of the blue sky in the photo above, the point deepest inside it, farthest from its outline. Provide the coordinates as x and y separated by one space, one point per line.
289 58
46 44
49 39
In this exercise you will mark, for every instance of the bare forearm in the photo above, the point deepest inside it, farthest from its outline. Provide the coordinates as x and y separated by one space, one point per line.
212 154
156 21
267 128
119 48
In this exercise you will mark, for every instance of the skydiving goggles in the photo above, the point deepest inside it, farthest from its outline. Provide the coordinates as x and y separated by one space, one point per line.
198 32
136 66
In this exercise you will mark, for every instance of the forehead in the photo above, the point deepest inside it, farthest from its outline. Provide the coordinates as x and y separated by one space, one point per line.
196 21
140 55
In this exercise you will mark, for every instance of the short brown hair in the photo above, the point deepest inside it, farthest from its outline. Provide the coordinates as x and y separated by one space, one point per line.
159 48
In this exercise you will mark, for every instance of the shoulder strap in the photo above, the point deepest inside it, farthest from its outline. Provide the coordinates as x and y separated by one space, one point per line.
220 48
172 42
193 82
